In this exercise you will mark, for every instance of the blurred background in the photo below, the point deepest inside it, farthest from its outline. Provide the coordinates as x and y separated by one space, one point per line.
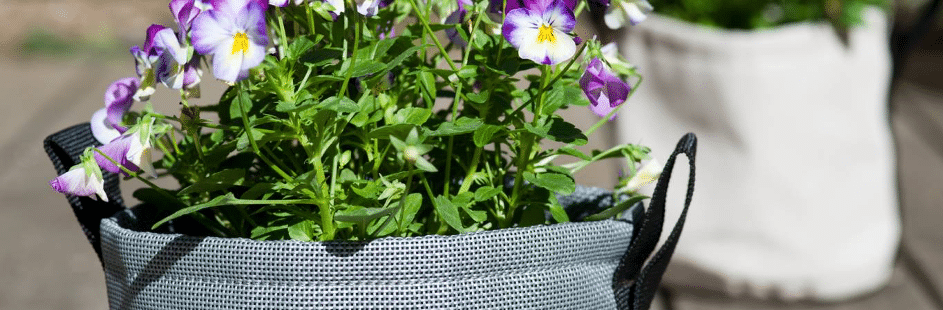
58 56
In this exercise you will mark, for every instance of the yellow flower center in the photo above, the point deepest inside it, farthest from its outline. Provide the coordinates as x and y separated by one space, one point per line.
240 43
545 34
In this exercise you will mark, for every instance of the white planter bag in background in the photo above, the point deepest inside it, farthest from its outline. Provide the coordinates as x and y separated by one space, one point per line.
799 197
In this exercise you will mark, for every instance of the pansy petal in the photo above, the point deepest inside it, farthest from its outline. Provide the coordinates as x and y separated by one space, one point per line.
559 16
519 26
634 12
562 50
209 32
151 35
167 40
118 99
226 64
103 131
116 150
254 55
77 182
139 154
614 18
603 107
254 24
278 3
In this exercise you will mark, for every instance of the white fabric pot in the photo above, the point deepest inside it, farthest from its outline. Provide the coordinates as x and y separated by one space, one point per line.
799 199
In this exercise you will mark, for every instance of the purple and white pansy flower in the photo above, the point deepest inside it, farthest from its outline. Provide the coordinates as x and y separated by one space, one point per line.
604 89
145 58
106 122
80 182
234 33
457 17
169 68
184 12
622 11
131 151
540 31
84 179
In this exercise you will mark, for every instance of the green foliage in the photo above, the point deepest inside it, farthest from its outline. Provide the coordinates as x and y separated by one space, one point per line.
760 14
345 136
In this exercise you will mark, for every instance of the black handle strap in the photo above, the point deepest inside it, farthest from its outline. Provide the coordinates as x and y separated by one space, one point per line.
65 149
635 286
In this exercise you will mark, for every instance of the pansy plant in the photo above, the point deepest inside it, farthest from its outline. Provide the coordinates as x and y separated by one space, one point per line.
354 120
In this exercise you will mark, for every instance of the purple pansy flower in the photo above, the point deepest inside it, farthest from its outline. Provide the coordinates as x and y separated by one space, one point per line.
169 68
604 90
278 3
621 11
234 33
106 122
455 18
184 12
130 151
192 73
80 181
540 31
118 100
144 59
101 128
495 6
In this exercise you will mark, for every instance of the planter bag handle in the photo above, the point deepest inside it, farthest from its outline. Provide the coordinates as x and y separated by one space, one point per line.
635 286
65 149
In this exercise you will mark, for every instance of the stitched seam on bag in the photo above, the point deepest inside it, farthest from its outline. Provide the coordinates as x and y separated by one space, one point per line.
580 266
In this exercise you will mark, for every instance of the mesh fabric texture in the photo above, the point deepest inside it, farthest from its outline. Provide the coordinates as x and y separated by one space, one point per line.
561 266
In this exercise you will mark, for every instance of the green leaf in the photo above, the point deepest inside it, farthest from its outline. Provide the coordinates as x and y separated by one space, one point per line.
218 181
460 126
302 231
341 104
215 202
449 213
366 190
399 130
399 59
358 214
322 56
555 182
412 115
476 215
617 209
425 165
574 152
485 134
561 95
411 207
243 142
367 67
557 211
486 192
258 190
152 196
427 84
468 71
532 215
558 130
300 45
481 97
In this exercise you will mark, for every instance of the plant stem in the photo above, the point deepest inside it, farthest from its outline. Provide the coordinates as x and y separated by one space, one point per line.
353 59
243 88
402 203
425 24
472 168
283 48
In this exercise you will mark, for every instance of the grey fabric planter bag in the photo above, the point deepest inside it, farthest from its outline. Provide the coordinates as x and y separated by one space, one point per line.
581 265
